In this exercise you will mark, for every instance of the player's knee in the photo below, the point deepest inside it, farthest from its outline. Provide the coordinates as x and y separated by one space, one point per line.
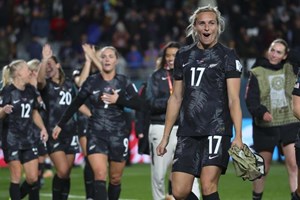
100 175
208 188
63 173
180 192
115 179
31 179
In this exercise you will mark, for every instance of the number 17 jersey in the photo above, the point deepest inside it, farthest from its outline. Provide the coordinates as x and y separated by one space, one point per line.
204 109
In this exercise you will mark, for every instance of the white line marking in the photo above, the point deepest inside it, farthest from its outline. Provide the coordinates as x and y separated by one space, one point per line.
72 196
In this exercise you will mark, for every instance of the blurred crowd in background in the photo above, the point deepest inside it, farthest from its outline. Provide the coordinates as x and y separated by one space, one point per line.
137 28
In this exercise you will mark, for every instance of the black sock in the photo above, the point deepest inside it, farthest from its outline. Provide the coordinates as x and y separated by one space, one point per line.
41 172
56 187
14 191
295 196
192 196
24 189
65 188
256 196
100 190
170 187
34 191
213 196
88 179
114 191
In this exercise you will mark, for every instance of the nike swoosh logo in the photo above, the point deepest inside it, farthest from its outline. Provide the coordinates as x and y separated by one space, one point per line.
117 90
92 147
14 153
185 64
164 78
96 92
175 160
55 145
212 157
16 101
56 88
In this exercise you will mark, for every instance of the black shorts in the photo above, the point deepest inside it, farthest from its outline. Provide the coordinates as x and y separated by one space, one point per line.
42 148
82 125
69 145
193 153
114 145
24 155
267 138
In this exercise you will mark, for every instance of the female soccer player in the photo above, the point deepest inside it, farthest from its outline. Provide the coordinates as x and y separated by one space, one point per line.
19 108
57 93
206 93
107 135
79 77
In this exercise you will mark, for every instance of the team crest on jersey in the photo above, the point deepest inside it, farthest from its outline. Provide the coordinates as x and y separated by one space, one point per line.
296 85
238 65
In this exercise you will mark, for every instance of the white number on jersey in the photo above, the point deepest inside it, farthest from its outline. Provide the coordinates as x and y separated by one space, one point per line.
25 110
66 98
196 75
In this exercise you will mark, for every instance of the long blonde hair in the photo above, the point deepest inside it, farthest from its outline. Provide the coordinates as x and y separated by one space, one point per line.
8 72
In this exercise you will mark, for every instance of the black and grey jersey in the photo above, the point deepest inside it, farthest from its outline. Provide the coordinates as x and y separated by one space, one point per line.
296 90
106 117
57 98
157 94
204 110
18 126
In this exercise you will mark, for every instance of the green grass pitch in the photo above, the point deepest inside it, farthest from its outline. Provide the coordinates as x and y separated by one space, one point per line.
136 184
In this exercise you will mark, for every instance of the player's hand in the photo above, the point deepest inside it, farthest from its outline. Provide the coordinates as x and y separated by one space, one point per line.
8 108
237 142
267 117
47 52
56 132
110 98
44 135
161 148
88 50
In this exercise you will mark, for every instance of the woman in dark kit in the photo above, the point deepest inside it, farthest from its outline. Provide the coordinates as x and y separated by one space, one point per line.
107 135
19 109
57 92
206 94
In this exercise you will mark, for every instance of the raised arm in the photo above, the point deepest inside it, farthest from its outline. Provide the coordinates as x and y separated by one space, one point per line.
85 70
46 53
90 52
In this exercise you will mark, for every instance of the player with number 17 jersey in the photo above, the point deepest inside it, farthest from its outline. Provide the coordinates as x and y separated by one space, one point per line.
204 110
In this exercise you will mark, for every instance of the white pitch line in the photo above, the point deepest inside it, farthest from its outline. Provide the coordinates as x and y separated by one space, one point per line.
73 196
